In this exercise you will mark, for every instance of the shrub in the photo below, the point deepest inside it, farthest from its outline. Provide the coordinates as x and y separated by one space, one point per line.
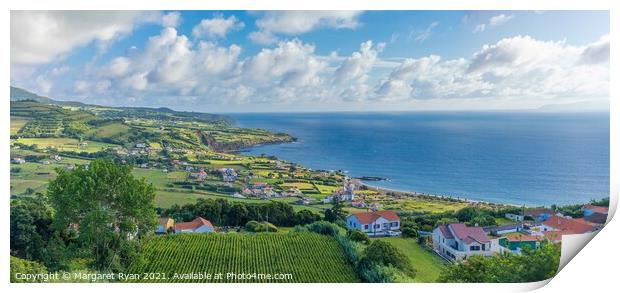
381 274
254 226
353 250
23 266
358 236
324 227
383 253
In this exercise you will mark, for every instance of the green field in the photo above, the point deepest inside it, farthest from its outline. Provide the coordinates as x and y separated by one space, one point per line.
111 130
427 264
423 205
309 257
17 124
66 144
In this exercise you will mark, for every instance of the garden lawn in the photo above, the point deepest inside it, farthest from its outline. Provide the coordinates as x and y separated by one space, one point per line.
427 264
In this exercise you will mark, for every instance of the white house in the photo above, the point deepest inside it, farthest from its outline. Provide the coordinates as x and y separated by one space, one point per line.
380 223
457 241
198 225
18 160
514 217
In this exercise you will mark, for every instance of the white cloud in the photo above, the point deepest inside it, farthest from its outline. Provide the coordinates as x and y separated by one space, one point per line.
291 63
421 36
217 27
480 28
597 52
500 19
42 36
496 20
263 37
513 68
171 19
171 69
293 23
359 64
119 66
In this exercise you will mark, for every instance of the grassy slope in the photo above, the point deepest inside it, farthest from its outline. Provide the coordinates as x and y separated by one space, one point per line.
427 264
309 257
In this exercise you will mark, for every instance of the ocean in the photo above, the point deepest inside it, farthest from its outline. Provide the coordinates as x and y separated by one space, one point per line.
521 158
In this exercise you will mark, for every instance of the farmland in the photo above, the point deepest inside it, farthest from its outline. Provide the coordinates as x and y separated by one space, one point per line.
309 257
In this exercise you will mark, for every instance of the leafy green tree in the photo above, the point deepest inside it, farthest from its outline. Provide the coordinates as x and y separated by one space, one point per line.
483 220
530 266
336 212
108 208
385 254
467 214
358 236
30 225
23 266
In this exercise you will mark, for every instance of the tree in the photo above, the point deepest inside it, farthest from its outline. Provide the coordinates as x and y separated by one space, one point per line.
467 214
336 212
483 220
382 253
108 208
22 266
31 220
530 266
358 236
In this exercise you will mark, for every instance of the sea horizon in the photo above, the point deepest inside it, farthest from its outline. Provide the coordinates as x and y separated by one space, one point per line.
576 146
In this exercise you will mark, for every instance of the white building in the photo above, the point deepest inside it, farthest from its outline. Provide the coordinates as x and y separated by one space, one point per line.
514 217
381 223
457 241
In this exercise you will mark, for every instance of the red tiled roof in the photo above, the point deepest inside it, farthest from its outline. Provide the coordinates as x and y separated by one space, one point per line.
569 225
369 217
597 209
446 232
556 235
469 234
390 215
193 225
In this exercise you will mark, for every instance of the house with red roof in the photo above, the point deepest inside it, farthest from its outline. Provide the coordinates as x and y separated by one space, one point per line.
458 241
589 210
566 225
379 223
198 225
515 242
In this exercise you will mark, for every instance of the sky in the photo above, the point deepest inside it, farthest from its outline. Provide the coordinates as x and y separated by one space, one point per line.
291 61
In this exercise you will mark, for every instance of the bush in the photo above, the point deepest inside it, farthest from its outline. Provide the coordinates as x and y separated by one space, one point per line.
254 226
324 227
23 266
531 265
358 236
382 274
353 250
385 254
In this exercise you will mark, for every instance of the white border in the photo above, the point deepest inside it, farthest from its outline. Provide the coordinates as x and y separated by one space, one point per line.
592 269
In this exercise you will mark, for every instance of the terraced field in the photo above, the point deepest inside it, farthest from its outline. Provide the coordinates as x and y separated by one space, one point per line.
308 257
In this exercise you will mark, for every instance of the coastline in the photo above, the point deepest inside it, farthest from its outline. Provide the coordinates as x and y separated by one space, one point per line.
415 193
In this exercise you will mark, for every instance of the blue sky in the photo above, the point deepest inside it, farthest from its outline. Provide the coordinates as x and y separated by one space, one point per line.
239 61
